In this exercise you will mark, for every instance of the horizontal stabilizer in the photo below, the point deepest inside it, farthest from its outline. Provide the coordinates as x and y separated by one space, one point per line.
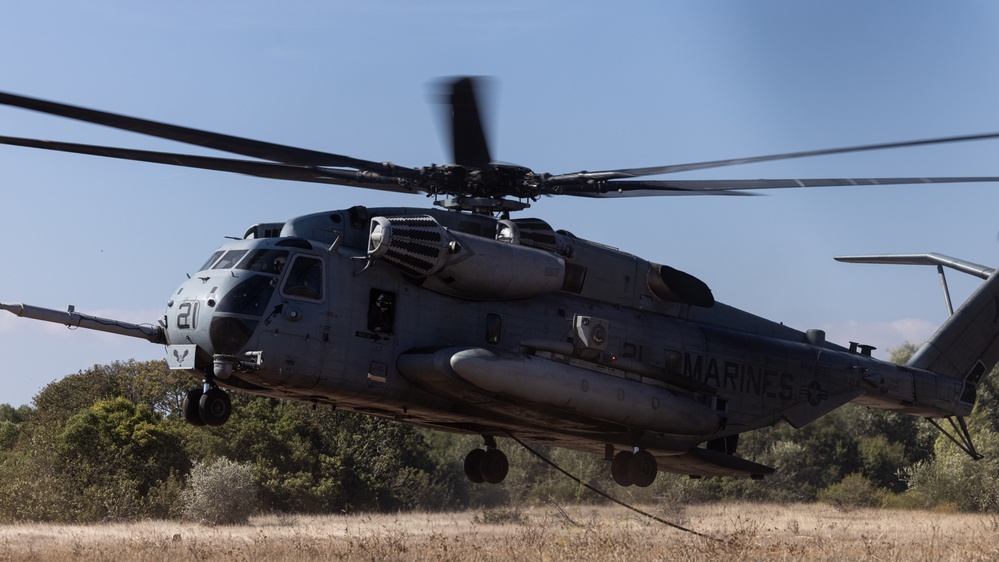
930 258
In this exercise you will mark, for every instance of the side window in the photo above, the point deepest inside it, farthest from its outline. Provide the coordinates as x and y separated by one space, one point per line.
305 279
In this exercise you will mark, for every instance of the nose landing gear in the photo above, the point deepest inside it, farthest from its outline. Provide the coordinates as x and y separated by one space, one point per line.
486 465
207 406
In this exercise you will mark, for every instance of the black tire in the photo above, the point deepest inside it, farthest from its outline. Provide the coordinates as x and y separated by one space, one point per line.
473 466
643 469
215 407
494 466
620 468
191 407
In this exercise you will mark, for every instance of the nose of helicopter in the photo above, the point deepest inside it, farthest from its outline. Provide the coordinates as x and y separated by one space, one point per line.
217 319
220 309
218 313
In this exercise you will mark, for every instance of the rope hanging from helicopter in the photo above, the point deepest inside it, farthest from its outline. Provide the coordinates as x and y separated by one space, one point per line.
607 496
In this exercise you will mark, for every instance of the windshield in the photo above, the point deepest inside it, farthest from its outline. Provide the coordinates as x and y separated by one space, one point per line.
229 259
250 297
265 261
212 260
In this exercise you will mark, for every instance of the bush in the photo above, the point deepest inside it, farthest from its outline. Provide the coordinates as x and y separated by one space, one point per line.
221 492
500 516
31 490
854 491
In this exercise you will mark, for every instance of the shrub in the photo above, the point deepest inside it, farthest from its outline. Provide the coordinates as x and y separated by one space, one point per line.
221 492
854 491
500 516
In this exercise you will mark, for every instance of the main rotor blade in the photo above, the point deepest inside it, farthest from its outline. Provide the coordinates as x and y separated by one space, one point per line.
580 177
217 141
643 188
273 170
468 138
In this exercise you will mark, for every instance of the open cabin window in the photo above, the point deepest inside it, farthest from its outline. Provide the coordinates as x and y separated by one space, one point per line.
381 312
305 279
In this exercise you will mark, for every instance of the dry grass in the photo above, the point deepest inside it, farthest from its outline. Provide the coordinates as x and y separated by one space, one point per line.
743 532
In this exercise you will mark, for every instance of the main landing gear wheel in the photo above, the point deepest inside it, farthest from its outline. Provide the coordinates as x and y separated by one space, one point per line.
639 469
619 468
642 468
211 407
215 406
191 407
486 465
473 464
494 466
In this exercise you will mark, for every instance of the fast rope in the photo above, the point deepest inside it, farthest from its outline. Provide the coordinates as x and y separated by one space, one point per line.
607 496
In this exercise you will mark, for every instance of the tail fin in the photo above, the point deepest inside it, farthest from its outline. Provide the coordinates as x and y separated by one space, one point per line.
966 346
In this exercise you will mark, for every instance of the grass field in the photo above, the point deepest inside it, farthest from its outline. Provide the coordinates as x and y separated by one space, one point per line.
740 532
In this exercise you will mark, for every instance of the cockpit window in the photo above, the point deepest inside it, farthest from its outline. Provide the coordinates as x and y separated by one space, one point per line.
305 279
251 296
211 260
265 261
230 259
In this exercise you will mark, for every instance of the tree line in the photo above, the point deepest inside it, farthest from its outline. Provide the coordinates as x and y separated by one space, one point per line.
110 443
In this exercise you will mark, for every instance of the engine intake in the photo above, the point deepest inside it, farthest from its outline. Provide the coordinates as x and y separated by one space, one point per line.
462 265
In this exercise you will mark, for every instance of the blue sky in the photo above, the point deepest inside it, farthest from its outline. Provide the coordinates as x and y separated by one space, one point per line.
578 86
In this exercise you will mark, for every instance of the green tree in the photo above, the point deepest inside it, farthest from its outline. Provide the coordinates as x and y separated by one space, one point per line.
149 383
116 453
386 465
11 420
286 443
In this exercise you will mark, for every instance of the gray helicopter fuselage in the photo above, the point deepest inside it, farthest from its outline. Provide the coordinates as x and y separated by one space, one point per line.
496 326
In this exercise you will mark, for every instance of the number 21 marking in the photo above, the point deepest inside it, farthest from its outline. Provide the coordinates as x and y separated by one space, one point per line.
187 315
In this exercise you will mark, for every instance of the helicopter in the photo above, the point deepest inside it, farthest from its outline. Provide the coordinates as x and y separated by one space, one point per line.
463 319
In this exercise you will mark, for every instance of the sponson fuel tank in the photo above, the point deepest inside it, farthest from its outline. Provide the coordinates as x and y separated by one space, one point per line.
549 383
462 265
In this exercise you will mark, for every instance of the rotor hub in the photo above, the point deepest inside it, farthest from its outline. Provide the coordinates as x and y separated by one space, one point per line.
494 180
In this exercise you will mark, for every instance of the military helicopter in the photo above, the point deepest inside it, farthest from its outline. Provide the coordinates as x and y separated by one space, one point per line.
460 318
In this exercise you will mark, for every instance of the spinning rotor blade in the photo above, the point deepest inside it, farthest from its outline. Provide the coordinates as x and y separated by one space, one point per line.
624 173
217 141
468 138
474 173
274 170
647 188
